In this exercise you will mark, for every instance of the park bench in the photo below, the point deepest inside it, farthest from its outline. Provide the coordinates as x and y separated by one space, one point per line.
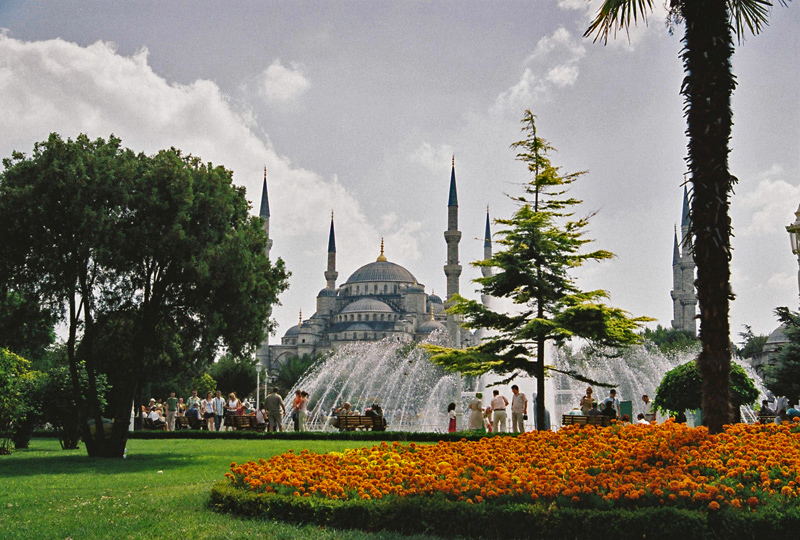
582 420
766 419
247 423
148 424
189 422
353 422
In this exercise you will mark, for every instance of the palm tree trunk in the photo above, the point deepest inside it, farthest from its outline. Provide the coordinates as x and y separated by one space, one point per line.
707 89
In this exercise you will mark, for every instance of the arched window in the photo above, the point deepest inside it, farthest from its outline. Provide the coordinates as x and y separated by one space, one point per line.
375 289
385 288
357 286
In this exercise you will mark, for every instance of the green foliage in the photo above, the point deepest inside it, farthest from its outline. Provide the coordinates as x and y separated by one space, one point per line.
680 389
236 375
26 327
156 258
752 345
291 370
204 383
14 378
542 244
783 378
435 515
670 341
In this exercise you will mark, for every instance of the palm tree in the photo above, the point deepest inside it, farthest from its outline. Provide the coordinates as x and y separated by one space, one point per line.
707 89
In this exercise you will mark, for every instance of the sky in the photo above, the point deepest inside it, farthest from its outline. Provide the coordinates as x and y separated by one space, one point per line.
358 108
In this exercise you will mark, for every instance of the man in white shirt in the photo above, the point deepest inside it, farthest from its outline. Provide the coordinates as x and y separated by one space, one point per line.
219 410
499 404
519 409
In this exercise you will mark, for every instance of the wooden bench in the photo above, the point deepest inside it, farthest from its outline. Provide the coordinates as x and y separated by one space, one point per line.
582 420
766 419
247 423
353 422
189 422
148 424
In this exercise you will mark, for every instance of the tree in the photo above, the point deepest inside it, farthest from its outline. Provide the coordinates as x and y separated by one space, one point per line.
292 370
783 378
752 344
26 327
159 251
707 89
542 244
14 377
669 340
680 389
235 375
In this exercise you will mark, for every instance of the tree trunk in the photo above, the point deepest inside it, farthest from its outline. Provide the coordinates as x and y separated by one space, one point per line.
707 89
540 412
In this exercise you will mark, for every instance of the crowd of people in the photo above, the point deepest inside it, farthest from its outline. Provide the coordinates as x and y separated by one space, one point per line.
217 412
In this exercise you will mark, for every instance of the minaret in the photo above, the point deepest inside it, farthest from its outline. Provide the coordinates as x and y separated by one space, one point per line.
452 269
452 236
684 296
331 274
486 271
264 213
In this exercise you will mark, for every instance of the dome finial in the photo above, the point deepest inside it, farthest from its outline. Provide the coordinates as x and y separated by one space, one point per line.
382 257
300 318
432 311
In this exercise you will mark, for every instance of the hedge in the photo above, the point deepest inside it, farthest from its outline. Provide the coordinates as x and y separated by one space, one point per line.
436 515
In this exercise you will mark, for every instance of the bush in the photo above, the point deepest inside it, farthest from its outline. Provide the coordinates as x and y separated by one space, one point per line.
438 516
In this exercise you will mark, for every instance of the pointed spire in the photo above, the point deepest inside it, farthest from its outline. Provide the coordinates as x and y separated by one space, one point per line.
685 221
487 237
453 199
381 257
676 254
264 213
332 238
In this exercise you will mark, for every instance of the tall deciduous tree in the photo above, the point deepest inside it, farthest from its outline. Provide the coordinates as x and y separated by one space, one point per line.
157 251
707 88
542 243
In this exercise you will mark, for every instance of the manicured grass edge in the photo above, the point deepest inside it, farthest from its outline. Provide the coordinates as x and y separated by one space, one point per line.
436 515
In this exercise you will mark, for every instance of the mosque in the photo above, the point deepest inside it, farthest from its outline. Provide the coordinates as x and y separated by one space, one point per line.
380 300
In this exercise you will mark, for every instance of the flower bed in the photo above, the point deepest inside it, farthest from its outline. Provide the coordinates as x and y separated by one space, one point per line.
747 468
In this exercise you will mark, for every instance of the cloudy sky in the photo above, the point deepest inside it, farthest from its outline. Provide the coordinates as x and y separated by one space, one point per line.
357 107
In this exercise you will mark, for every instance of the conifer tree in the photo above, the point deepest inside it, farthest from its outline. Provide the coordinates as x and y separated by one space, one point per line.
542 243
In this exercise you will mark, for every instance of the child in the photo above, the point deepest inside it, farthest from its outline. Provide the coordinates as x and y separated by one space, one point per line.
451 414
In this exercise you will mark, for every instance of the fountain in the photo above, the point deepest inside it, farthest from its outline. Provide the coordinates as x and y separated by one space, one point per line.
414 393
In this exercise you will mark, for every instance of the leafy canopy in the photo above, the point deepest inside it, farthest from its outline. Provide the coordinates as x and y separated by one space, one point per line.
783 378
680 389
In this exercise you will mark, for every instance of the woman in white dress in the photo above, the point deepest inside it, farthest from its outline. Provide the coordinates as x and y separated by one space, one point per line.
475 407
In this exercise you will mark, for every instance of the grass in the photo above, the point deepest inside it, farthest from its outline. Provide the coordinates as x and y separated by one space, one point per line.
160 491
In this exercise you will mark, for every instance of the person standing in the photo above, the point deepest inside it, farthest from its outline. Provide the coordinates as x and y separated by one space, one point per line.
451 416
275 409
499 404
207 406
475 407
190 401
649 415
586 401
219 410
172 410
302 413
519 410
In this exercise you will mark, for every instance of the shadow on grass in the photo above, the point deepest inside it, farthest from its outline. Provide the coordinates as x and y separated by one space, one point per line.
36 461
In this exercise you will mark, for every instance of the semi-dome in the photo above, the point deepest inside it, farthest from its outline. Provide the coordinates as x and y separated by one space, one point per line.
381 271
326 292
361 327
367 304
430 326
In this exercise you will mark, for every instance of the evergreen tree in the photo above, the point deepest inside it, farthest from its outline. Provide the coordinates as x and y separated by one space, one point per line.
783 378
542 243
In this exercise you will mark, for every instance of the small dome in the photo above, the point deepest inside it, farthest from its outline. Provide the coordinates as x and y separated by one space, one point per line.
293 331
430 326
435 299
367 304
778 335
416 288
326 292
381 271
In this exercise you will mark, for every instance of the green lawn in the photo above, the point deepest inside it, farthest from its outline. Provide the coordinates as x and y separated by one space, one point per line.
160 491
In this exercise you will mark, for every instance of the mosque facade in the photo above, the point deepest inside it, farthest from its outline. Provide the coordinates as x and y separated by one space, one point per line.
380 300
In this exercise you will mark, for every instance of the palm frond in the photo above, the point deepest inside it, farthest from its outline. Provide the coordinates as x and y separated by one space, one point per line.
749 15
620 14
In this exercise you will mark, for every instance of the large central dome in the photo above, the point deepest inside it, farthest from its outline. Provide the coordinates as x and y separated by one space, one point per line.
382 271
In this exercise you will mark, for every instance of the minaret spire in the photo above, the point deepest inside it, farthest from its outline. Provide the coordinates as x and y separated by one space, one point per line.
331 274
452 270
264 212
381 257
684 295
486 271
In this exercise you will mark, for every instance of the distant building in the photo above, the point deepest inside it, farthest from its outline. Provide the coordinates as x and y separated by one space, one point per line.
684 296
379 300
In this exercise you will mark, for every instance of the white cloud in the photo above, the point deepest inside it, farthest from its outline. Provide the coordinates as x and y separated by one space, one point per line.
280 84
552 64
58 86
432 158
767 208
